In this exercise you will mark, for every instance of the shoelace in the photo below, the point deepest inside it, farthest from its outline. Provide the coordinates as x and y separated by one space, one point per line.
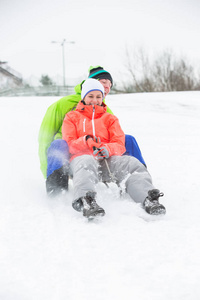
155 200
161 194
157 196
91 201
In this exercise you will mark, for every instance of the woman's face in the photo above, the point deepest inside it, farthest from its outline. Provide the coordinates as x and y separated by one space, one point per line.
94 98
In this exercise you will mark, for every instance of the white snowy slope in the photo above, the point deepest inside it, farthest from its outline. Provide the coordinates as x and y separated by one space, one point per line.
49 251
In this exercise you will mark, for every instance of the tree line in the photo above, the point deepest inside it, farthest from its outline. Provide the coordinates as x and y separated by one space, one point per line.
165 73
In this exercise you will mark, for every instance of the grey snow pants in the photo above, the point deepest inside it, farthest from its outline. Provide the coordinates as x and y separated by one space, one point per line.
85 171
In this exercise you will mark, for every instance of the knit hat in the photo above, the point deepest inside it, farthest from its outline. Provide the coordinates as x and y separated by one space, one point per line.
90 85
99 73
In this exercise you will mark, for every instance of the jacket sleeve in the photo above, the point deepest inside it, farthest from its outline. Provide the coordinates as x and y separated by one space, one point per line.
109 110
69 133
116 145
51 126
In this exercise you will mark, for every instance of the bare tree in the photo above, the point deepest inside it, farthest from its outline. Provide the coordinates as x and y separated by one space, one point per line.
165 73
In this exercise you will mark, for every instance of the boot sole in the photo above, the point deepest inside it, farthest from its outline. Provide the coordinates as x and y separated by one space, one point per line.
94 214
158 211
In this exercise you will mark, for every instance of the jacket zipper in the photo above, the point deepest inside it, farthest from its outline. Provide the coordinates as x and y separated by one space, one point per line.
93 127
84 125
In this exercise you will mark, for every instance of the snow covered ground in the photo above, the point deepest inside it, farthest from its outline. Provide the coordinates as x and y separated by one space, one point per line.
49 251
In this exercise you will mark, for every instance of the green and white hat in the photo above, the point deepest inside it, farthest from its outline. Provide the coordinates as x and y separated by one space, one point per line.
99 73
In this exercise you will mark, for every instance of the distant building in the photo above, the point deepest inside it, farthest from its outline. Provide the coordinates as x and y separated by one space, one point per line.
9 78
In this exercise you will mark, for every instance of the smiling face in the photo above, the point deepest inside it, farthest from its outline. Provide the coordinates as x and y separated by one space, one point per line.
94 98
107 85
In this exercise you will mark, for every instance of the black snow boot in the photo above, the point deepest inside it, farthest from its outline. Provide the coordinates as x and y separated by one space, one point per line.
57 182
152 205
78 204
90 208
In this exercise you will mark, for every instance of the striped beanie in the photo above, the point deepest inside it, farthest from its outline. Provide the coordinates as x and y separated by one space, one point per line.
99 73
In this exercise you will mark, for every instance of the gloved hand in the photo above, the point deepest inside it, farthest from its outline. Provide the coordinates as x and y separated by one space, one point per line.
101 153
93 142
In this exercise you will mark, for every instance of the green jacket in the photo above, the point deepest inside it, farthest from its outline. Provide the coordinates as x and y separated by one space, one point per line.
51 127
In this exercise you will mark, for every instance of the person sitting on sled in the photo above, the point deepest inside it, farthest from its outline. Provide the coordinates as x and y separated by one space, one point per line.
53 150
93 136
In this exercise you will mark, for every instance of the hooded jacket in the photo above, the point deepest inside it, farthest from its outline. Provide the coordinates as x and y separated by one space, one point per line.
50 129
92 120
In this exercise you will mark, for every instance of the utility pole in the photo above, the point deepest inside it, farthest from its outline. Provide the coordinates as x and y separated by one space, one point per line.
63 55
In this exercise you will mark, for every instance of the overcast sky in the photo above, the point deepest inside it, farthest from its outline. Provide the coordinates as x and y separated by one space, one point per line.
100 29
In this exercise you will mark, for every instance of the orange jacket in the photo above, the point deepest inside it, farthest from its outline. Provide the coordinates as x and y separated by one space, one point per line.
92 120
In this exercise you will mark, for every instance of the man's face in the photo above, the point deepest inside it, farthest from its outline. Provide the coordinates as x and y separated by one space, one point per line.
107 85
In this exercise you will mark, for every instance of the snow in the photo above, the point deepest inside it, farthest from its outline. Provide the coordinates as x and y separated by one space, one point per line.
49 251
